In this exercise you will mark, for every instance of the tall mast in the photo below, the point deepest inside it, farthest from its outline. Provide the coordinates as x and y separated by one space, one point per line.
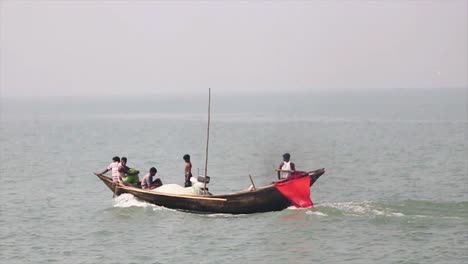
207 138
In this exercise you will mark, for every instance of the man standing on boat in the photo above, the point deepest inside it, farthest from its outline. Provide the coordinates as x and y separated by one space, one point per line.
114 168
286 168
123 168
188 170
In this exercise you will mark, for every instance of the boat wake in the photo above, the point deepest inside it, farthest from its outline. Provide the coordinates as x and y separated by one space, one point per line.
409 209
406 209
359 209
126 200
315 212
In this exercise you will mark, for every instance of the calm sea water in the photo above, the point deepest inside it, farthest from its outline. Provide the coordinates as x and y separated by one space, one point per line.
395 191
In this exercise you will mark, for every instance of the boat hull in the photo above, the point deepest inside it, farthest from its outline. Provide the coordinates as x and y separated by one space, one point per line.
264 199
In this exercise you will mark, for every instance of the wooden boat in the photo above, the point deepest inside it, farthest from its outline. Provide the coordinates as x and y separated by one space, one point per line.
262 199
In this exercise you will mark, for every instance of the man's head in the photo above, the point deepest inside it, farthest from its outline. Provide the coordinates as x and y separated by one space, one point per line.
123 160
153 171
116 159
286 157
187 158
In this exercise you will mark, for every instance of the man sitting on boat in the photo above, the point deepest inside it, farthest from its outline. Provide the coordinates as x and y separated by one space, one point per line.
286 168
148 183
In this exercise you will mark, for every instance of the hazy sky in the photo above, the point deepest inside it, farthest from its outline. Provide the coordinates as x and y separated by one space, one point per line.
122 47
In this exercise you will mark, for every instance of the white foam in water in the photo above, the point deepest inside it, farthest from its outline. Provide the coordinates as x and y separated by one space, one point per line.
310 210
128 200
356 208
316 213
292 207
363 208
420 216
398 214
224 215
377 212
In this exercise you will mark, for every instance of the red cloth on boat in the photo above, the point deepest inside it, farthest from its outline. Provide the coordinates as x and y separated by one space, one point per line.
297 191
296 175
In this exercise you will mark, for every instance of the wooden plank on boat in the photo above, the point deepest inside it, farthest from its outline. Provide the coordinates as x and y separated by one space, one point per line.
199 197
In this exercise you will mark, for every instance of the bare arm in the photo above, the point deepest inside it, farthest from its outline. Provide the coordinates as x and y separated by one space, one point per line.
120 180
104 171
145 182
123 168
293 167
279 170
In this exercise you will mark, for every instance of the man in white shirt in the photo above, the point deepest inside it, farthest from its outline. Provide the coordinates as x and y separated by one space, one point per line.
286 168
114 169
148 183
